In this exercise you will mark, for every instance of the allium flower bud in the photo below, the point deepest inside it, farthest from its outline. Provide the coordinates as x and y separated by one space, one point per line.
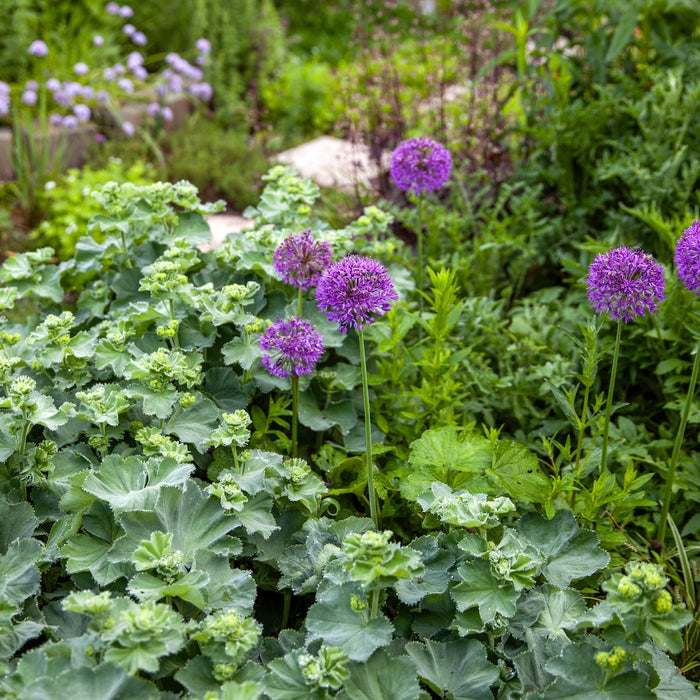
355 291
300 260
687 258
625 283
420 165
294 346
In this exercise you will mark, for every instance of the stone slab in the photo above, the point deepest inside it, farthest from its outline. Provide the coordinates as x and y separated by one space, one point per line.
222 225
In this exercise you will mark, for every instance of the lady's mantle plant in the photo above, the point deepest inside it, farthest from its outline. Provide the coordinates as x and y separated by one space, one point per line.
156 539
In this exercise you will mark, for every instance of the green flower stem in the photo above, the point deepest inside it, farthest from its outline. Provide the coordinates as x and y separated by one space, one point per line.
671 473
374 611
299 304
171 313
285 610
236 464
608 407
371 495
419 233
295 413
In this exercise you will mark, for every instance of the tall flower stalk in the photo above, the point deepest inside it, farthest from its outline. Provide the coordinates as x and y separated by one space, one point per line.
624 283
420 165
293 347
687 259
354 292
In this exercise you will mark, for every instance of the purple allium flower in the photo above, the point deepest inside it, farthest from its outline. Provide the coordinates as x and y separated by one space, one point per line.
55 119
125 11
167 114
355 291
134 59
128 128
175 83
88 92
625 283
687 258
162 90
139 38
112 8
102 97
97 40
153 109
61 97
129 29
125 84
29 98
202 91
420 165
301 261
70 121
140 73
53 84
31 85
80 68
38 48
4 98
73 88
203 46
294 345
82 112
109 74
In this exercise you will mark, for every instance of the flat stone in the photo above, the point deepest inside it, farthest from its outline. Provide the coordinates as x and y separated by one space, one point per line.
336 163
222 225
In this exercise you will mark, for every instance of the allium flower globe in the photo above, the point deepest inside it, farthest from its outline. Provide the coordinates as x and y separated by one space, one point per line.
687 258
38 48
301 260
355 291
420 165
293 346
625 283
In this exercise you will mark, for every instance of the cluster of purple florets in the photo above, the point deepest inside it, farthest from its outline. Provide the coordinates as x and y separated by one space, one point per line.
294 346
75 99
687 258
420 165
301 260
625 283
355 291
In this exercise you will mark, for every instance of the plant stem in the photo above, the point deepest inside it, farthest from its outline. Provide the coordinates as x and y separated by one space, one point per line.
419 282
285 610
295 413
375 605
299 304
371 495
671 473
608 407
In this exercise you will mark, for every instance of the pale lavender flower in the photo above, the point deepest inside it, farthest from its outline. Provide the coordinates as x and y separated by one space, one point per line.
125 11
202 91
88 92
81 68
129 29
38 48
687 258
153 109
4 98
171 58
140 73
102 97
293 346
200 60
29 98
55 119
82 112
128 128
112 8
73 89
420 165
162 90
125 84
110 74
139 38
167 114
62 98
134 59
31 85
625 283
355 291
70 121
301 260
203 46
175 83
53 84
191 72
97 40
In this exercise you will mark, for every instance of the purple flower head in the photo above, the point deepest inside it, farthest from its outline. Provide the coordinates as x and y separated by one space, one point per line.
31 85
293 346
53 84
129 29
125 11
61 97
82 112
109 74
203 46
29 98
175 83
125 84
301 261
355 291
112 8
687 258
102 97
202 91
139 38
4 98
55 119
134 59
167 114
420 165
97 40
70 121
140 73
153 109
80 68
625 283
128 128
88 92
38 48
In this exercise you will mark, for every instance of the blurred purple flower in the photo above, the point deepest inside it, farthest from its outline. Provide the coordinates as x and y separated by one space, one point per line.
625 283
202 91
29 98
125 11
134 59
192 72
203 46
294 346
38 48
102 97
420 165
125 84
4 98
97 40
162 90
31 85
153 109
128 128
82 112
175 83
301 260
139 38
80 68
200 60
112 8
70 121
55 119
687 258
62 98
355 291
109 74
140 73
167 114
119 69
53 84
88 92
129 29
